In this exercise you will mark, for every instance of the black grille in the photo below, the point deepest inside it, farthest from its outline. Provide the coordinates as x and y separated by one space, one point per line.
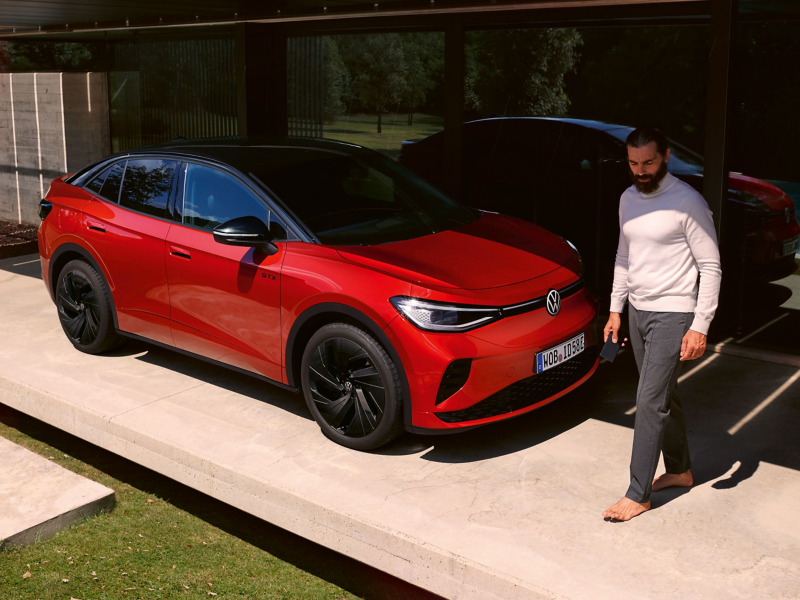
528 391
454 378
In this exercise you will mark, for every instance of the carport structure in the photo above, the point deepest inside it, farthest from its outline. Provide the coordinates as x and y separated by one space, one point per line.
243 67
257 66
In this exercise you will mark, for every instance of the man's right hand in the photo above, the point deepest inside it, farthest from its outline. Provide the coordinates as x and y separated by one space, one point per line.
612 328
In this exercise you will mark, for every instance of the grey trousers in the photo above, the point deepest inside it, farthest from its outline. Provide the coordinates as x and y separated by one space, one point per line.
656 339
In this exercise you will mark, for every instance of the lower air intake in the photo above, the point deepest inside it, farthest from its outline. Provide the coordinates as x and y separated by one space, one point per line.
526 392
454 378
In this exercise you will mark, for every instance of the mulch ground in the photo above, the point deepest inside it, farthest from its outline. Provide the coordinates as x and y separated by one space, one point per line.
17 240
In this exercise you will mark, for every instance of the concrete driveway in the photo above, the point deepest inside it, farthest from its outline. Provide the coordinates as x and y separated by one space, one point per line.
507 511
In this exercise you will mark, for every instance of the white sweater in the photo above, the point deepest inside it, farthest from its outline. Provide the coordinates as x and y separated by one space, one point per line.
666 239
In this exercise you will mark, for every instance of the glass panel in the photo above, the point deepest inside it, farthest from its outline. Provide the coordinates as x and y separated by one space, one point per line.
161 87
360 201
761 228
213 197
110 189
548 112
147 186
96 184
374 90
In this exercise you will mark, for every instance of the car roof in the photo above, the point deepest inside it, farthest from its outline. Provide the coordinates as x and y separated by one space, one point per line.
247 153
618 131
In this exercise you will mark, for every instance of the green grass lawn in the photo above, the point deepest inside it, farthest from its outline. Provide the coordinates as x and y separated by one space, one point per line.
165 540
362 130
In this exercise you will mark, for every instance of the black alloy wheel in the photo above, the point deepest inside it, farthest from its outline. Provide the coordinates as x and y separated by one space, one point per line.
78 308
85 309
352 387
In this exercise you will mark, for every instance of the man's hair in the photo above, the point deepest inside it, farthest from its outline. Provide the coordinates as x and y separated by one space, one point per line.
641 136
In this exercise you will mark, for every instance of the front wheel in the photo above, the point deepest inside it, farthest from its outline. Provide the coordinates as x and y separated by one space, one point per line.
352 387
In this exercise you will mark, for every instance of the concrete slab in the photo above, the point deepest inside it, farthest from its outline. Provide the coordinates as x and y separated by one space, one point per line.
509 511
39 498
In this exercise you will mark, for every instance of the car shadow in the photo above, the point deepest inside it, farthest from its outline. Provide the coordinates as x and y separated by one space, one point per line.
27 265
222 377
740 413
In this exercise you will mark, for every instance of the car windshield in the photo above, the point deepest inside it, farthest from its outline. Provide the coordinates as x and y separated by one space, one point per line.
359 200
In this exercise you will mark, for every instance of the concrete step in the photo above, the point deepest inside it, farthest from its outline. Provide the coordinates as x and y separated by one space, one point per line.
39 498
506 512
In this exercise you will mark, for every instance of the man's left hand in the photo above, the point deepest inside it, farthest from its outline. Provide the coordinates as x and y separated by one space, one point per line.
693 346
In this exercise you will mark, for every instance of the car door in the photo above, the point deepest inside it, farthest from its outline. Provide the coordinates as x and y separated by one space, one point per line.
126 224
225 300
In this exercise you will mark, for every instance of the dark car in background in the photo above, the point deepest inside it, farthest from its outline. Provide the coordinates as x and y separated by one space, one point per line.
567 175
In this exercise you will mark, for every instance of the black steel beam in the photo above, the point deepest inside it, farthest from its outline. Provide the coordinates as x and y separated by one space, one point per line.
453 106
251 79
715 175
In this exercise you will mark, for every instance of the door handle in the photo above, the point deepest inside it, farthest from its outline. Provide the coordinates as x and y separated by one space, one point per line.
96 227
180 252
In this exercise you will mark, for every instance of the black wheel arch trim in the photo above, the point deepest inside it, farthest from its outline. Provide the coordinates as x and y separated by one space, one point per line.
86 255
370 325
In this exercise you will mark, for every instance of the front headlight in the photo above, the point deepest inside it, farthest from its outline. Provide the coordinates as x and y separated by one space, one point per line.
444 317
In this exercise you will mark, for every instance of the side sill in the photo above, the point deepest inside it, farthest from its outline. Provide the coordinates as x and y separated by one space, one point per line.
283 386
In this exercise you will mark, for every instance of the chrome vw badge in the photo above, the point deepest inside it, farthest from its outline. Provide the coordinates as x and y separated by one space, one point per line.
553 302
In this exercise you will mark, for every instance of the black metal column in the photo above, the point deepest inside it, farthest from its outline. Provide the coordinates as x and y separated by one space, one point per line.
453 106
251 78
715 177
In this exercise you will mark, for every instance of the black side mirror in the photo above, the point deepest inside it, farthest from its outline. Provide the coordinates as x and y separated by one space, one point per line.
250 232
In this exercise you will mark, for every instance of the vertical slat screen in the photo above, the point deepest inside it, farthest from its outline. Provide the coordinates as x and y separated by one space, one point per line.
184 87
305 72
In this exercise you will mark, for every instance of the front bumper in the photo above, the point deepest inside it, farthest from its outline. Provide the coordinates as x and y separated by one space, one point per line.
502 382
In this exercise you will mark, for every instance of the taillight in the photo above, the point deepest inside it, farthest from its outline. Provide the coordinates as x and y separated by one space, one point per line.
44 208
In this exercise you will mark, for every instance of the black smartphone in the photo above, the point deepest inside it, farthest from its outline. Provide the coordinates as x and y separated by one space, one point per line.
609 351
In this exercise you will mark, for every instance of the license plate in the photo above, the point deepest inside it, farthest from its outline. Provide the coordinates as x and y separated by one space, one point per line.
558 354
790 246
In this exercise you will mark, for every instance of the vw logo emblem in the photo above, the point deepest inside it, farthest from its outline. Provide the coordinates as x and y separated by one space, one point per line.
553 303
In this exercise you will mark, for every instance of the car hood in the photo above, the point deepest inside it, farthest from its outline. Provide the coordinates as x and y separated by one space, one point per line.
490 252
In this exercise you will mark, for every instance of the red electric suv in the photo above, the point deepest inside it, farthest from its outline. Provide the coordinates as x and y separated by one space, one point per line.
323 267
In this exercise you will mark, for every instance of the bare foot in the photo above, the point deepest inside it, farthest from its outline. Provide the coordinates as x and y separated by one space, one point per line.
671 480
626 509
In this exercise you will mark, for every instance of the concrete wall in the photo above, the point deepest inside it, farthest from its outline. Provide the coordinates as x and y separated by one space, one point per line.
50 124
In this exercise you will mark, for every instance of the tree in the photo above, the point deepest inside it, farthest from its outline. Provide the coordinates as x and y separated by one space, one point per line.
519 72
38 55
378 69
336 86
644 75
423 54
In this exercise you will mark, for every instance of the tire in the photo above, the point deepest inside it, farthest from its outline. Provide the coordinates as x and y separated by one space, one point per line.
85 308
352 387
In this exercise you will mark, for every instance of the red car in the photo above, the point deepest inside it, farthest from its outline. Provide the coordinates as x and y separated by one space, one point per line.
323 267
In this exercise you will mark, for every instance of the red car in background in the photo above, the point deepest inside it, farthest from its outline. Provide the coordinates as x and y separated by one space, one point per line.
567 175
323 267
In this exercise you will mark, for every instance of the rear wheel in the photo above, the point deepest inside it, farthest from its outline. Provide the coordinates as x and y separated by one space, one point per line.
85 308
352 387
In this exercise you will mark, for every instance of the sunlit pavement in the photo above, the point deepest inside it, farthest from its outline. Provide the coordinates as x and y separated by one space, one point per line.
507 511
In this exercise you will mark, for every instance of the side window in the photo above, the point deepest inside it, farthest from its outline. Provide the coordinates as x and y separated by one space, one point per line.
147 185
107 184
96 184
212 197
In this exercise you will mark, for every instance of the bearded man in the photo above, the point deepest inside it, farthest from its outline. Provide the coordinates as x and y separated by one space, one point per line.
667 238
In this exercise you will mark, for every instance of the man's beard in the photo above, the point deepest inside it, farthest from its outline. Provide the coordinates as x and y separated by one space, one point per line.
651 185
